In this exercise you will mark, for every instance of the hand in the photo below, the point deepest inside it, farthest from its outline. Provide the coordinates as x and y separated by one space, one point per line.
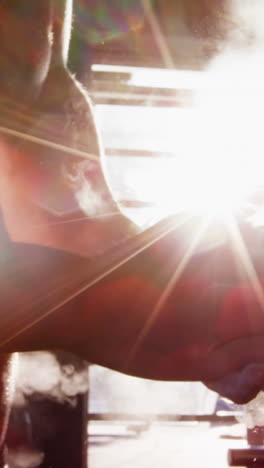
242 386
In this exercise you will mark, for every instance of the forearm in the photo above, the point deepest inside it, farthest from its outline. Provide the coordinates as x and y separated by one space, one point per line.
155 319
160 321
117 318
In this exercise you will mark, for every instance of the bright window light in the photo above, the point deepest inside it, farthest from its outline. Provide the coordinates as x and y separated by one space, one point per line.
217 143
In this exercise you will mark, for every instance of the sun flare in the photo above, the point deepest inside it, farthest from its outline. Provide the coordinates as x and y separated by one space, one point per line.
219 159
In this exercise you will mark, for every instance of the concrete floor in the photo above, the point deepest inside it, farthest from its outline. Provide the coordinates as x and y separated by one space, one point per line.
165 446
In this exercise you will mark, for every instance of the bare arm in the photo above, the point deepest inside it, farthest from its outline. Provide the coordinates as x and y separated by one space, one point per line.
51 171
210 327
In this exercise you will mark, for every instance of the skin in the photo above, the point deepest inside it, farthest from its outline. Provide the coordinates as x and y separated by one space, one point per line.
24 68
209 328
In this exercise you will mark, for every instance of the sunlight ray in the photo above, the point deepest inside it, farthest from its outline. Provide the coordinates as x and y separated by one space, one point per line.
48 143
160 38
83 283
243 255
76 220
166 293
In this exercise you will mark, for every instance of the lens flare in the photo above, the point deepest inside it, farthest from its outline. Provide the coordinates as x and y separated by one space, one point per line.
228 134
218 164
